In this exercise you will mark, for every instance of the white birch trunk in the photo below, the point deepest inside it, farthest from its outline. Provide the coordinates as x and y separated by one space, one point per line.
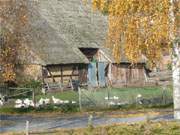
175 63
176 80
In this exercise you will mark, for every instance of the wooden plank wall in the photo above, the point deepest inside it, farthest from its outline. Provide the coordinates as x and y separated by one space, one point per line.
83 71
125 75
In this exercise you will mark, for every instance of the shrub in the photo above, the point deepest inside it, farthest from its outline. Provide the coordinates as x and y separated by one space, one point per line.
32 84
69 108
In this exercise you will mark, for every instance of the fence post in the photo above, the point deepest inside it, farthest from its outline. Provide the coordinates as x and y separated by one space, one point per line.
108 94
90 121
33 95
27 127
164 95
80 104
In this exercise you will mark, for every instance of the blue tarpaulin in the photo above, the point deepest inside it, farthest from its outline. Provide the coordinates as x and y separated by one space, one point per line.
101 74
92 75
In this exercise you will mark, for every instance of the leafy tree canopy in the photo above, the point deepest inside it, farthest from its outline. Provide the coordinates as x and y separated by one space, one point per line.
13 17
138 27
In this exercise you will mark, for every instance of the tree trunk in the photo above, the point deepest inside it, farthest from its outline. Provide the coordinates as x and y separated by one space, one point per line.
175 60
176 80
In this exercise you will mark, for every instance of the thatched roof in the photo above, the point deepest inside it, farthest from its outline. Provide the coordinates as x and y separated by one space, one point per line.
57 28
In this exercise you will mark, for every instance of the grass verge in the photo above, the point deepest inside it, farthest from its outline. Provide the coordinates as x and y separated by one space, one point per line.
144 128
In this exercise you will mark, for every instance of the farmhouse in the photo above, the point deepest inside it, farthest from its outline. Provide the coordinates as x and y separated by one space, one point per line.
64 43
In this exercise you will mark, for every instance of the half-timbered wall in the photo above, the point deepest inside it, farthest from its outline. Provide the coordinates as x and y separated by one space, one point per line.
62 74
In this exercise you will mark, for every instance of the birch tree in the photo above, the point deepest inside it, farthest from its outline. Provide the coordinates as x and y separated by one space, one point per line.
144 27
175 39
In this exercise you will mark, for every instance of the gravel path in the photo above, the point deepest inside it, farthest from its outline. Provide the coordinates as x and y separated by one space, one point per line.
40 123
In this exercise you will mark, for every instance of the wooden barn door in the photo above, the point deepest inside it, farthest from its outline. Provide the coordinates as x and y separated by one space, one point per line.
96 74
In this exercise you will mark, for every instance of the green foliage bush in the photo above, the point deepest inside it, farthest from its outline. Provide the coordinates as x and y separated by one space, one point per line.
69 108
32 84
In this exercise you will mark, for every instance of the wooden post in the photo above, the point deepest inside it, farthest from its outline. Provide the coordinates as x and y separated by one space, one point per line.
61 78
33 96
80 104
27 127
90 121
71 83
164 95
77 70
108 92
43 74
71 79
51 75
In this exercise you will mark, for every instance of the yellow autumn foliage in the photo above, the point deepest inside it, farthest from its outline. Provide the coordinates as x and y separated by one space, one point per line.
13 18
137 27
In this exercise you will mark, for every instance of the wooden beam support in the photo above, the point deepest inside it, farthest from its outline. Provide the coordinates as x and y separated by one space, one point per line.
77 68
61 75
42 70
51 75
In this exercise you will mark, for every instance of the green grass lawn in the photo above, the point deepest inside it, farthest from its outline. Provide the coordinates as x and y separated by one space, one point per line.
95 99
122 93
146 92
67 95
128 94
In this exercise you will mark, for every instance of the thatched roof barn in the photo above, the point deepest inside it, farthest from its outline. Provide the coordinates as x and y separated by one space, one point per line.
62 27
62 38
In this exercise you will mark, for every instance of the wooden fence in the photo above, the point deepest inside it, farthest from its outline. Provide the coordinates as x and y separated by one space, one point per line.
11 93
